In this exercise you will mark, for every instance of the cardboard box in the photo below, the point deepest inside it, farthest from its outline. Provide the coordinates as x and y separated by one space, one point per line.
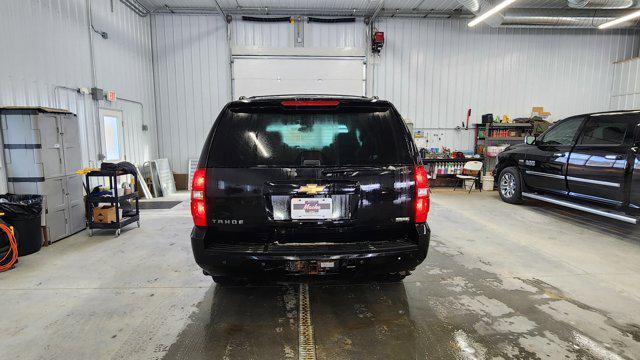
539 111
104 214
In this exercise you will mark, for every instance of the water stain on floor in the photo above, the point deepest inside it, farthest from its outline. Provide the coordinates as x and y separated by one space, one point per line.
455 312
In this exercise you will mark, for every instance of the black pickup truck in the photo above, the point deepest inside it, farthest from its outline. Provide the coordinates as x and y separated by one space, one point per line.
309 185
587 162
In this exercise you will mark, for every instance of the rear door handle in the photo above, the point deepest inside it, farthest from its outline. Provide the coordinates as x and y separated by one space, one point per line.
614 157
559 155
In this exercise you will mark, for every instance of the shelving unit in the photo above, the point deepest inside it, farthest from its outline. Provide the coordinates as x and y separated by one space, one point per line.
444 180
517 133
113 200
505 138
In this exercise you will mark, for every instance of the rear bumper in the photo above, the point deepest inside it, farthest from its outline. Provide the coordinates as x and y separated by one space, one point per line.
367 258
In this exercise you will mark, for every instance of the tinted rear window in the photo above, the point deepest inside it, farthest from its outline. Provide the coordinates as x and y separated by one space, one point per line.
608 130
308 138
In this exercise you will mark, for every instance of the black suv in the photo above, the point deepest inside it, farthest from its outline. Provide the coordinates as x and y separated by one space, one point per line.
588 162
307 185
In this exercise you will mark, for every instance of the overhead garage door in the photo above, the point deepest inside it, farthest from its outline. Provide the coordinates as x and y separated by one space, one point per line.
273 75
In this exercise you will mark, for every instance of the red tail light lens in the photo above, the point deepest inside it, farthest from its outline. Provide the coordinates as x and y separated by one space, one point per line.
422 202
198 201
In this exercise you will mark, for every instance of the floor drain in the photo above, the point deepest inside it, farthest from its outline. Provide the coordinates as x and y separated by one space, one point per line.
306 343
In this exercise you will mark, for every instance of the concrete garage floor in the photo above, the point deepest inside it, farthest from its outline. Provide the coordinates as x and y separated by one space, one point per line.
500 281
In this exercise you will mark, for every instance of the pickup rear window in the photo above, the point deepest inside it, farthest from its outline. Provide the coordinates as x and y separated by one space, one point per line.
309 138
606 129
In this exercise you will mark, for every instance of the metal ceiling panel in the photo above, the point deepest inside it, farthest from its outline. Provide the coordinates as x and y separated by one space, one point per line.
363 8
156 4
332 5
327 7
430 5
311 4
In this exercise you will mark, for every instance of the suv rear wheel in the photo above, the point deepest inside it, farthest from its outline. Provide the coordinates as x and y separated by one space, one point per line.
228 280
510 186
395 277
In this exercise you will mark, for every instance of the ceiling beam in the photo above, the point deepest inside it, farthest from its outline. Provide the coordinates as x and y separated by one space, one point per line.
313 12
222 13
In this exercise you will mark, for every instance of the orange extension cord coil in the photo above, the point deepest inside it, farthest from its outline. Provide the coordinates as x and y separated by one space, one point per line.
13 249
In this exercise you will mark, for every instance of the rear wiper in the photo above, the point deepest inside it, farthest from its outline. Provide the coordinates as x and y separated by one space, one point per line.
351 169
311 163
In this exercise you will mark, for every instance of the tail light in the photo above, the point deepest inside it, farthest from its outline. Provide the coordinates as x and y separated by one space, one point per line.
198 201
422 202
319 103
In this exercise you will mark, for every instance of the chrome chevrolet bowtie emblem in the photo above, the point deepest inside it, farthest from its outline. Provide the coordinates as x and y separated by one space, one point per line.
312 189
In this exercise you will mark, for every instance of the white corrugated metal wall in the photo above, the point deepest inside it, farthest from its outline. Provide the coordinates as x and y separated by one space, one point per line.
625 93
192 82
261 34
192 70
434 70
281 35
124 63
253 34
46 44
338 35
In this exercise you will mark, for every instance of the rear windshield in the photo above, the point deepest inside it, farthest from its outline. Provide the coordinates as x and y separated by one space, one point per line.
307 138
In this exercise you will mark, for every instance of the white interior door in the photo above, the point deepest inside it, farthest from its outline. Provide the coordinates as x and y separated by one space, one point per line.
277 75
112 129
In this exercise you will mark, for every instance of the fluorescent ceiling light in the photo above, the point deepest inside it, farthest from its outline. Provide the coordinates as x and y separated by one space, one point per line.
263 151
619 20
491 12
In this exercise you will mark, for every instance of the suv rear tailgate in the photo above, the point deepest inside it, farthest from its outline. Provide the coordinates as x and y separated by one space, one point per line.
286 174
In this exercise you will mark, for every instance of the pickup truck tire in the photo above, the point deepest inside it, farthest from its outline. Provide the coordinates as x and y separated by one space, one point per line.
510 185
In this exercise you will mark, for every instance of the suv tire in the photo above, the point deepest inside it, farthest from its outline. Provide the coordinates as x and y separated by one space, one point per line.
510 185
390 277
228 281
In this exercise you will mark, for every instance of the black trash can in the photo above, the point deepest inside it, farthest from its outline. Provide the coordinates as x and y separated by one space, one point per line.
23 212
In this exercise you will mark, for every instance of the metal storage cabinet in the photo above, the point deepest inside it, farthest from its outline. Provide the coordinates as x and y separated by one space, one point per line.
42 153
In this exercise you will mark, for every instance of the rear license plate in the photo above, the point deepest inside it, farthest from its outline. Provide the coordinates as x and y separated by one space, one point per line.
327 265
311 208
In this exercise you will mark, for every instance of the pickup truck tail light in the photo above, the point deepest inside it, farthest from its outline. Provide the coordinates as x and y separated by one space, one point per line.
422 201
198 200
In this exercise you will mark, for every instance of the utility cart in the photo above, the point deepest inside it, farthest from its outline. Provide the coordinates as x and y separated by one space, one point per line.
114 199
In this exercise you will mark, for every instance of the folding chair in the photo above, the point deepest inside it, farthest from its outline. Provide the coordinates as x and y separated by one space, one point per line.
472 170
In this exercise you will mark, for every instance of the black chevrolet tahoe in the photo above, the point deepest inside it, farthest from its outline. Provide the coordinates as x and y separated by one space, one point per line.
587 162
309 185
